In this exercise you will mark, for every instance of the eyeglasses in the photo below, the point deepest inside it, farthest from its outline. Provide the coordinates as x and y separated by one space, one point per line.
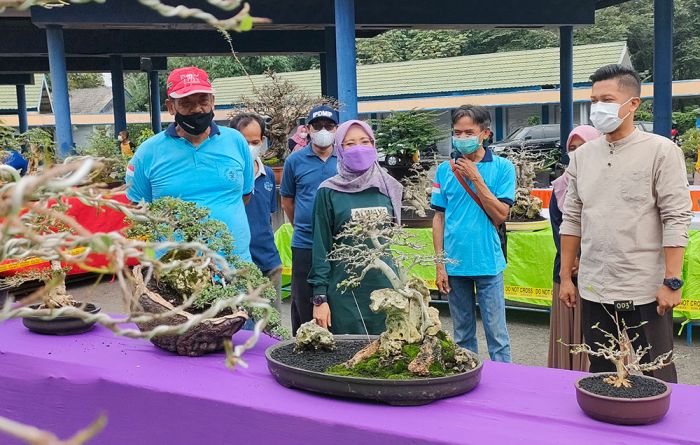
319 125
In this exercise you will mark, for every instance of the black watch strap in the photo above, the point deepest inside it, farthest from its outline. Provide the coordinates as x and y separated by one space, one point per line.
318 300
673 283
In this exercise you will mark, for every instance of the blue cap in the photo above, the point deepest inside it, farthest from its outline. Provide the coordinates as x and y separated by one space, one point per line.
322 111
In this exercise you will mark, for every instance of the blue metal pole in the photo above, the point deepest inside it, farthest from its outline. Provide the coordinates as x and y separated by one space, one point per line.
331 64
59 85
499 124
323 74
22 109
345 52
154 84
545 114
118 100
663 66
566 80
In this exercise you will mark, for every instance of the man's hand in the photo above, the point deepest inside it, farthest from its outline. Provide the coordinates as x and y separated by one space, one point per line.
567 292
468 169
667 299
441 280
322 315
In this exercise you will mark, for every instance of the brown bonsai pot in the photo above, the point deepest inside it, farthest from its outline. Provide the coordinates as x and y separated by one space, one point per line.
278 173
412 220
205 337
623 410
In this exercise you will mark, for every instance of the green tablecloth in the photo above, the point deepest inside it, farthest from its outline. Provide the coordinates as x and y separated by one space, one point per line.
528 277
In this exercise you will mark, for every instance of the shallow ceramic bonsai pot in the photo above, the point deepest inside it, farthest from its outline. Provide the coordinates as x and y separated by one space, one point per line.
64 325
621 410
407 392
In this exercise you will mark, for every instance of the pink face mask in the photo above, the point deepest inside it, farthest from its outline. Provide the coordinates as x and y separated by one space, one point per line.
359 158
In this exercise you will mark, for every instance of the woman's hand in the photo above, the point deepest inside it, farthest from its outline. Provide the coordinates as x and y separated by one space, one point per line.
322 315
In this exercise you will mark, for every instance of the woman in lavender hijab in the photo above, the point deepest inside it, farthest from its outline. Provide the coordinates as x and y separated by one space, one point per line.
360 187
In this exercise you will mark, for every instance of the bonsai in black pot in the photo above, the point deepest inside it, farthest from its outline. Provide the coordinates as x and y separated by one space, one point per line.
413 361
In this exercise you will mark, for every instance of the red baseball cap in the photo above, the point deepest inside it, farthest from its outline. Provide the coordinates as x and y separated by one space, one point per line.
189 80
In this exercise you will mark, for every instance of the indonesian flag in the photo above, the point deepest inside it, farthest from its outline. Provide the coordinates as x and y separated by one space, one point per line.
436 188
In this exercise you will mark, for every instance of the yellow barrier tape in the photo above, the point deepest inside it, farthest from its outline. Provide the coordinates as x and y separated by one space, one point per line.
533 293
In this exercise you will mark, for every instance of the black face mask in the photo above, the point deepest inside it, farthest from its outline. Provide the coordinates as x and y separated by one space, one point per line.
194 124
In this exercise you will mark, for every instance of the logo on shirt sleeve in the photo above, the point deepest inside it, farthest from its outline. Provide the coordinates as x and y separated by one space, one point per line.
436 188
130 170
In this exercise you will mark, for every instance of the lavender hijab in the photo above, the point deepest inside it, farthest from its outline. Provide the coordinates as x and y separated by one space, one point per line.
560 185
350 182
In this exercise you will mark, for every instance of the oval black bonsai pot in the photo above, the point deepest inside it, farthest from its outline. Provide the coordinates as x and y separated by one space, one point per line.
418 391
624 411
61 325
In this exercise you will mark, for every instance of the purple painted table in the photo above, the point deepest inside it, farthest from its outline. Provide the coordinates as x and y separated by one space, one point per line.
153 397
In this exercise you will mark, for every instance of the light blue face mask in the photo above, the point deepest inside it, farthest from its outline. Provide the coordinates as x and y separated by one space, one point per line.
466 146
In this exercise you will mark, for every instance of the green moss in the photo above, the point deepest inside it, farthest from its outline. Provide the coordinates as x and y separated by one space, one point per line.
370 367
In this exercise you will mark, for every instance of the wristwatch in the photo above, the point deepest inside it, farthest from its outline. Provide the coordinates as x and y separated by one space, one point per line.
318 300
673 283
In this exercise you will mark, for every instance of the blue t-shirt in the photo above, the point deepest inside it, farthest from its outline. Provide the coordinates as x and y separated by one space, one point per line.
262 204
470 237
215 175
303 172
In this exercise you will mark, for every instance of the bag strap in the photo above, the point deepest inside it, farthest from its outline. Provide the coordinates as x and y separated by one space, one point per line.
469 190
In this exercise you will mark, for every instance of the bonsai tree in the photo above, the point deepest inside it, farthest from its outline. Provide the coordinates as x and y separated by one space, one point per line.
143 136
30 229
174 219
413 344
404 134
526 207
103 147
283 103
40 148
416 190
619 351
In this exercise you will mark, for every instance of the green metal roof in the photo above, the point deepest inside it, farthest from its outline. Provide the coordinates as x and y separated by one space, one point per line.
496 71
8 96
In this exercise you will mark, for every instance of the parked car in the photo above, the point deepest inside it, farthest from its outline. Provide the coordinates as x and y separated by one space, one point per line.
645 126
536 137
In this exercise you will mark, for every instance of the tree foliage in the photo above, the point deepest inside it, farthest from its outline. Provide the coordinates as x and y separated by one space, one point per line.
632 21
77 81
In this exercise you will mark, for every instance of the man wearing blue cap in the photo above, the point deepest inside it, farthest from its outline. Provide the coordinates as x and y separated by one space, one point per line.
304 171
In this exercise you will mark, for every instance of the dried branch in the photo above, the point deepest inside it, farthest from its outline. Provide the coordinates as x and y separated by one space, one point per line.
35 436
26 204
619 351
241 21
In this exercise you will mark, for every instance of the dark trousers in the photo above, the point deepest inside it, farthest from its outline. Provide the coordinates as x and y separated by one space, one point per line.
302 308
657 333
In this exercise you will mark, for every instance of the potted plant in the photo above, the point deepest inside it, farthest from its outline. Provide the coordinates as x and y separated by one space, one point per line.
402 136
283 103
103 147
626 396
417 186
40 148
34 225
174 219
413 362
525 212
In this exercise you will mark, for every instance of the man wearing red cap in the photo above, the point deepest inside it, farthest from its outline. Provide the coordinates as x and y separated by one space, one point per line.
196 160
